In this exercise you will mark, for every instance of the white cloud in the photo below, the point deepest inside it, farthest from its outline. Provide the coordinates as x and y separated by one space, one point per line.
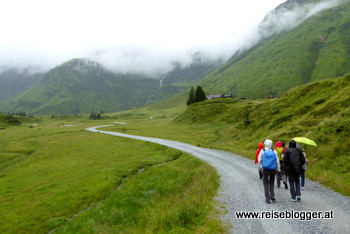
125 36
286 18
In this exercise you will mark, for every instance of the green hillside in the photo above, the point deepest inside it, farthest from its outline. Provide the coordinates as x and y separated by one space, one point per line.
320 111
180 78
82 86
318 48
14 81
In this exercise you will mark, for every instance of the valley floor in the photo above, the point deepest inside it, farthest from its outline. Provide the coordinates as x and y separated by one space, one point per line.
57 177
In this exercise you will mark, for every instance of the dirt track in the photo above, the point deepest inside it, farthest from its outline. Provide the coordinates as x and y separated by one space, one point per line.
241 190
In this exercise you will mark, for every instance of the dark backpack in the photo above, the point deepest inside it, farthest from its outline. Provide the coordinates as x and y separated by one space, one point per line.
295 160
269 160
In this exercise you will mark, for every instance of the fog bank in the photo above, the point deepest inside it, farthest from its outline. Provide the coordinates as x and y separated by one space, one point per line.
138 36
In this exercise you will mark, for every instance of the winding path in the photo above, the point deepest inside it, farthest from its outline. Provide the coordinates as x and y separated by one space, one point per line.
241 190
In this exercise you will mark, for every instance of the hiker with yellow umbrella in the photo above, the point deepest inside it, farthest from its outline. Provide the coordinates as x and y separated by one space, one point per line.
300 141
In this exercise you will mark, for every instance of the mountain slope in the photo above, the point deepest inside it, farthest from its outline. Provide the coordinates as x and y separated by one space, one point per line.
181 78
318 48
13 81
319 110
81 86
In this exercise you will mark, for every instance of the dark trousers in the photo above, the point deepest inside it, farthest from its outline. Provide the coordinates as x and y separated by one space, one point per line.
294 184
281 176
269 182
302 178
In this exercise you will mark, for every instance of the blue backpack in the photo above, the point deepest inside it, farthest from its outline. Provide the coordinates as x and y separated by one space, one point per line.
269 160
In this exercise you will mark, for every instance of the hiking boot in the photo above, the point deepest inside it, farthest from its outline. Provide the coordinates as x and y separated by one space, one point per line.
285 185
293 199
298 198
273 199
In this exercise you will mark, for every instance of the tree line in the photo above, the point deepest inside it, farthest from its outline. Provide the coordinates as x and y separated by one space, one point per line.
196 96
95 115
21 113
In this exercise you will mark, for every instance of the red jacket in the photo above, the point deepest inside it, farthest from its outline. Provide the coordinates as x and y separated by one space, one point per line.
260 147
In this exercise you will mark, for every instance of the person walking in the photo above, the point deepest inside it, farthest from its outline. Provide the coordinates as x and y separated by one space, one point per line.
282 174
260 147
294 158
269 163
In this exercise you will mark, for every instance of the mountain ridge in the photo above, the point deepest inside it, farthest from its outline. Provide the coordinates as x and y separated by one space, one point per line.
13 81
82 86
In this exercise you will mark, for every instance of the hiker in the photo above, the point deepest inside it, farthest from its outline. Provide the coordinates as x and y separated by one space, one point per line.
260 147
281 175
294 158
284 161
303 166
269 163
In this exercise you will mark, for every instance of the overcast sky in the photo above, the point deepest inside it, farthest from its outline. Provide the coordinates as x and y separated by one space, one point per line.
125 34
48 32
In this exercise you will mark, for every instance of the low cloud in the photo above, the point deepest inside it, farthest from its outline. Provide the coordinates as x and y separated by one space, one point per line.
290 14
155 60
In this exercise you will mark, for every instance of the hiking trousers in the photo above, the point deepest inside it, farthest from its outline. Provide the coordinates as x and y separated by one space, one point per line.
281 176
294 184
302 173
269 183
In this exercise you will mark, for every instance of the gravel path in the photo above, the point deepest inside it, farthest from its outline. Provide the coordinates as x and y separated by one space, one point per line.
241 190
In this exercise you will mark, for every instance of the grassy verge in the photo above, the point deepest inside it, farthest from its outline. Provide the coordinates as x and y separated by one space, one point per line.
51 172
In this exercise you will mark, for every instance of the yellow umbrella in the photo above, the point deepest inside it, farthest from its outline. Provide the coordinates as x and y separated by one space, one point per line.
305 140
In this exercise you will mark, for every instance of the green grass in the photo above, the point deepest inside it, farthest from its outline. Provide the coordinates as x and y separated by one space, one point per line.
154 201
50 172
319 111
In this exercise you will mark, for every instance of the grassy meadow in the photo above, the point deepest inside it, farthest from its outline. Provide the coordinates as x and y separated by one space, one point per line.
53 170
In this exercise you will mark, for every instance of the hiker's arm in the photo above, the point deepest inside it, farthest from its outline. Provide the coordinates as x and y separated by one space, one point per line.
306 161
278 163
260 158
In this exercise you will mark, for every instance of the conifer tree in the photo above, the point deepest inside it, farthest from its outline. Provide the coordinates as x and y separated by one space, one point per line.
93 115
200 94
191 98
